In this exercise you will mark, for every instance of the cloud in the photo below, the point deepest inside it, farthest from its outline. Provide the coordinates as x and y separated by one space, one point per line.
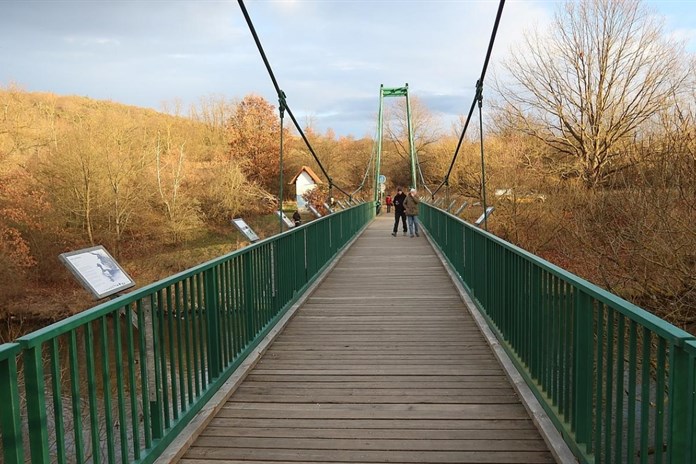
329 56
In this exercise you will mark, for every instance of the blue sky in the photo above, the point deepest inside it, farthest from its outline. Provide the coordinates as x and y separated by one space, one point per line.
329 56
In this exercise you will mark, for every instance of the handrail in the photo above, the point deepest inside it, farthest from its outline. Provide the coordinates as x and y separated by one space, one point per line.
617 381
118 382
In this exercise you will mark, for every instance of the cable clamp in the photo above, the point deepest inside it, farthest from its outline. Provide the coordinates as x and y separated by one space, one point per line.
479 92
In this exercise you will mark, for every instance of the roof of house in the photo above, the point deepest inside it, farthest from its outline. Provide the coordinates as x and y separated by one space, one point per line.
311 173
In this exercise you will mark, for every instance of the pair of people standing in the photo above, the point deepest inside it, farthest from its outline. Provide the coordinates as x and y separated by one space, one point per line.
406 208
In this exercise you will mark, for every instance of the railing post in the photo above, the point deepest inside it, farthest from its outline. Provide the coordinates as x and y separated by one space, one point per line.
212 321
681 406
36 405
10 417
583 365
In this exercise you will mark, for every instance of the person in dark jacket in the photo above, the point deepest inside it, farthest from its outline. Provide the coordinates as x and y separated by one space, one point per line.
411 210
297 218
399 212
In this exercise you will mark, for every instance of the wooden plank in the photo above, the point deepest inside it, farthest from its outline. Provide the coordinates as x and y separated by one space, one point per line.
493 425
377 434
382 363
363 456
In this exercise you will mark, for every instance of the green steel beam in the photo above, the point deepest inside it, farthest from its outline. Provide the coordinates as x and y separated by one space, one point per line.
386 92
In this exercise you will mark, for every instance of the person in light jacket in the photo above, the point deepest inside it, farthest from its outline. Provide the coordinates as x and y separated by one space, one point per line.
411 206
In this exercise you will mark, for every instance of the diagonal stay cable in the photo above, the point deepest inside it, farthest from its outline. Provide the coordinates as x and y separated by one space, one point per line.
479 93
281 96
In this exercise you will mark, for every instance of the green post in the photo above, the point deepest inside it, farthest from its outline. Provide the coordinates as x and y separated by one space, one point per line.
36 405
411 145
212 322
479 97
378 158
281 109
10 423
583 367
681 379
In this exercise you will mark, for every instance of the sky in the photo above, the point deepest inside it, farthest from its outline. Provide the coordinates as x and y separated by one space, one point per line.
329 56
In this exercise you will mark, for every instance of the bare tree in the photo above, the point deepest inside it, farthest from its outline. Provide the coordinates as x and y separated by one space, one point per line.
586 86
426 132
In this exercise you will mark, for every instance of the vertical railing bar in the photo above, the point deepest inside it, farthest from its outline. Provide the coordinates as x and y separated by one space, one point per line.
58 421
632 368
106 390
173 406
161 379
75 393
200 291
599 391
195 352
92 394
621 333
222 313
178 307
11 416
583 356
145 374
609 383
645 395
135 423
36 403
227 304
660 400
190 372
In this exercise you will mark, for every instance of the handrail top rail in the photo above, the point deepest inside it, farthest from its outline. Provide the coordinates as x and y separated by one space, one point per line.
72 322
659 326
9 350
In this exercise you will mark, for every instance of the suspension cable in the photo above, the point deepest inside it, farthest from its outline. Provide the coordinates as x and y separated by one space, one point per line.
420 171
281 96
479 89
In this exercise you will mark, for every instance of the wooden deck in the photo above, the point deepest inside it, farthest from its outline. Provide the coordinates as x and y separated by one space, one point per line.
383 363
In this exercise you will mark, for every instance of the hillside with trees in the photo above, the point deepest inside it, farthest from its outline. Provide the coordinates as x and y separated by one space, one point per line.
157 190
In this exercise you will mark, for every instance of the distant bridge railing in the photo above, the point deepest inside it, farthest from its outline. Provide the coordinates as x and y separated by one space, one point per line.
118 382
618 382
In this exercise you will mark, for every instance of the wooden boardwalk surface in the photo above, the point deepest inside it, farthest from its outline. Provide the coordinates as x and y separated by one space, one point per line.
383 363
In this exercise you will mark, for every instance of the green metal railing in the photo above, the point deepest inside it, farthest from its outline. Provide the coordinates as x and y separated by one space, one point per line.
118 382
618 382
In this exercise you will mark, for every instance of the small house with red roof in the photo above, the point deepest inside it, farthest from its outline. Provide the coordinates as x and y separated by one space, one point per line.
305 180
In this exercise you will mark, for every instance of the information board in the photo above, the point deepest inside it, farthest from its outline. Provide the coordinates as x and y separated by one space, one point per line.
285 219
245 229
314 211
97 271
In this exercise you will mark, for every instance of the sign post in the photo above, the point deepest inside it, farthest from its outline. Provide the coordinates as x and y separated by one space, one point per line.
245 229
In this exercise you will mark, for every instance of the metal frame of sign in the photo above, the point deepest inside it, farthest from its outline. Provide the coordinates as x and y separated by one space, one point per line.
485 215
97 271
461 208
245 230
314 211
285 219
